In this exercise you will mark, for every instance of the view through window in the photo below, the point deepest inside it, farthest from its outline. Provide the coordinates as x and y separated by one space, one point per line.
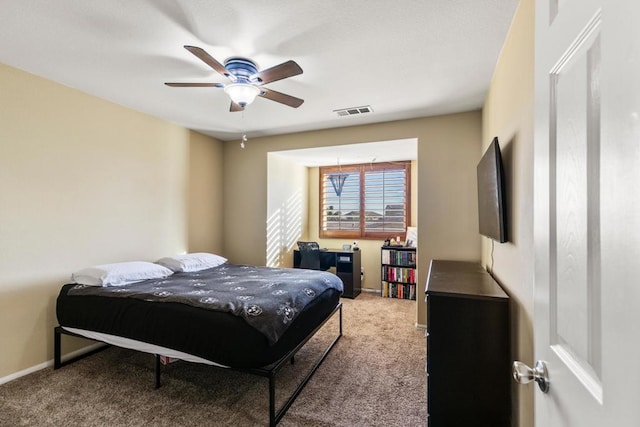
365 201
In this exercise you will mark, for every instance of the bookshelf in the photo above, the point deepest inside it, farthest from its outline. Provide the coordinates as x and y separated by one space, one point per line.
398 272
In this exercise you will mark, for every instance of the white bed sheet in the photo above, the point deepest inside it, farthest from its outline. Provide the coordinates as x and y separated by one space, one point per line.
140 346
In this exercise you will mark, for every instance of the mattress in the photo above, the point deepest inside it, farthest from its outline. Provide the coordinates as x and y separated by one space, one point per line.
216 336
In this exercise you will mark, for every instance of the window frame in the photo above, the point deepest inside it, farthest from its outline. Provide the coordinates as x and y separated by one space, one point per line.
361 233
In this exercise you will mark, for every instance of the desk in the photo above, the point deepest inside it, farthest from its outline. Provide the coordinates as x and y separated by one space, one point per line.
347 264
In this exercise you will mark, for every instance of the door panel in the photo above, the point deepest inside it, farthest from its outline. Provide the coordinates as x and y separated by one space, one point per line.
574 140
587 211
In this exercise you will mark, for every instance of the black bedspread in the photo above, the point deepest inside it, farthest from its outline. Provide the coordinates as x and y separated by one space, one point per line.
267 298
220 336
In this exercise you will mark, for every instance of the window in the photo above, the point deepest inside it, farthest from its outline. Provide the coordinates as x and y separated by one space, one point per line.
365 201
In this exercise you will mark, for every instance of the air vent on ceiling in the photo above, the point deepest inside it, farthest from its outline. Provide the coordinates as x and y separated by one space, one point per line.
354 110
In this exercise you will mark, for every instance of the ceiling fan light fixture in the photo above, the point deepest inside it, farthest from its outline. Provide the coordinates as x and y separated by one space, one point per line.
242 94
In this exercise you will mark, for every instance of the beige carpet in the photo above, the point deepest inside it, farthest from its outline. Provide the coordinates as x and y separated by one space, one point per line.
374 376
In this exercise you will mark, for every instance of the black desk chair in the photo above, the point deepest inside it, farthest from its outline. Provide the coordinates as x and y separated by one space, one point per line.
309 255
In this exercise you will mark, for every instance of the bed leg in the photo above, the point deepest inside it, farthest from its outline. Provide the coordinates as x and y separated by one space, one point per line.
272 400
157 371
57 351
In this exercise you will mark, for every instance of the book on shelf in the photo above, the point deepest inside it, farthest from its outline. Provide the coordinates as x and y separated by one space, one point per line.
399 274
399 257
398 290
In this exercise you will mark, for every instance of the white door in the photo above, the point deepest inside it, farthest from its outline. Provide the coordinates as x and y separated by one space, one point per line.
587 212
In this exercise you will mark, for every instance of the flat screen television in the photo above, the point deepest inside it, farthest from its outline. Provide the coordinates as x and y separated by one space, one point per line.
492 214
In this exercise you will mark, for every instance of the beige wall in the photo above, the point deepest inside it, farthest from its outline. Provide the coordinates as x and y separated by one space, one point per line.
448 151
84 181
508 114
204 192
287 213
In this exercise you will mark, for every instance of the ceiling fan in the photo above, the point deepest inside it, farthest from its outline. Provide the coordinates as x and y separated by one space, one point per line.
246 81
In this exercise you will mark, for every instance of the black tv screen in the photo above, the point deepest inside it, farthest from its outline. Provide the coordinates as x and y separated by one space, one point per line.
492 213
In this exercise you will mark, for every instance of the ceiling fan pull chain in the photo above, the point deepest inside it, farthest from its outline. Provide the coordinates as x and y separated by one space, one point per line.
244 133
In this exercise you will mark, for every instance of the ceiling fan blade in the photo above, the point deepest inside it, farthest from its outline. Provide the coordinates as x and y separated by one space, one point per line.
280 97
278 72
235 107
210 61
195 84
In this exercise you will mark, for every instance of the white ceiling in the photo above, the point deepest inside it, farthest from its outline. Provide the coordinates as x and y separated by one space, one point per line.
351 154
404 58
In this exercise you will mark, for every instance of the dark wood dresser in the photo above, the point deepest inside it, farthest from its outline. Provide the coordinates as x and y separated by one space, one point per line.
468 350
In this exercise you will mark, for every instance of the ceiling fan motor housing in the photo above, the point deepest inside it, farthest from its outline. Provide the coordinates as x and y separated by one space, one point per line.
240 67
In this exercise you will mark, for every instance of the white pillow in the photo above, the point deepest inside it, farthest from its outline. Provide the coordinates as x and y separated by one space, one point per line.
192 262
120 274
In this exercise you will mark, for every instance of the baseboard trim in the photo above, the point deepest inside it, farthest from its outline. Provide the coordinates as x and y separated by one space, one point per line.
49 363
24 372
371 291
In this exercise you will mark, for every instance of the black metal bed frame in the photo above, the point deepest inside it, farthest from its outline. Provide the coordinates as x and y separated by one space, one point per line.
269 371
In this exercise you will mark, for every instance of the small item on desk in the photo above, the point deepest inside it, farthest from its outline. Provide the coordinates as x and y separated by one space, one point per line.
355 246
387 242
346 247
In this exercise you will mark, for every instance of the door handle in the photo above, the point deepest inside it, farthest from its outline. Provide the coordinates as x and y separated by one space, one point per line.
524 374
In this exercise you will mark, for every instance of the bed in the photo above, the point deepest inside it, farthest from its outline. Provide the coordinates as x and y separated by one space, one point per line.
240 317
